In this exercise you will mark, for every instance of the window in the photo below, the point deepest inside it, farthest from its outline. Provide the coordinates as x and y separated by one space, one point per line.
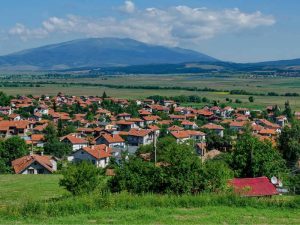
30 171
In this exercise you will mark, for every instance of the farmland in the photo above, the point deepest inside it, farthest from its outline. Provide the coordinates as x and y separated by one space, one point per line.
17 190
222 85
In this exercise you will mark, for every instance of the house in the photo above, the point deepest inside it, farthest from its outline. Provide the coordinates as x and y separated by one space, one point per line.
35 164
36 140
243 111
189 125
253 187
123 116
111 140
76 143
125 125
96 154
5 110
138 137
281 121
237 125
185 135
42 109
151 119
214 127
10 128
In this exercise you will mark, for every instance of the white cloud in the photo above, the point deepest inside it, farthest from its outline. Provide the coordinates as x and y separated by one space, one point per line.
171 26
24 33
128 7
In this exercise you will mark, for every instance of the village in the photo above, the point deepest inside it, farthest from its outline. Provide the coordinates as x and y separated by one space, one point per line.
98 132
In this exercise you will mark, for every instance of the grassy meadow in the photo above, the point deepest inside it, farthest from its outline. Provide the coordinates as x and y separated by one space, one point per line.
226 83
40 200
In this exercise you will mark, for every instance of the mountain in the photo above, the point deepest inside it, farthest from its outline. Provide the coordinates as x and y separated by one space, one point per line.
98 52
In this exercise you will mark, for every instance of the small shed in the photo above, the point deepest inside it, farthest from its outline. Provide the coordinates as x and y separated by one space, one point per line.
253 187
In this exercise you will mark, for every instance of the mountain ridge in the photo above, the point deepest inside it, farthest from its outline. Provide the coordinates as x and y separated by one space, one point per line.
99 52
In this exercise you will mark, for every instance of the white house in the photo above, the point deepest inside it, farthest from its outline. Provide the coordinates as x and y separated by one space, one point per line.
75 142
96 154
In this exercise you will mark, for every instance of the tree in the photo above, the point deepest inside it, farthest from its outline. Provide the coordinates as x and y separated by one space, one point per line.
253 158
104 95
215 176
136 176
289 143
11 149
251 99
53 146
288 111
82 178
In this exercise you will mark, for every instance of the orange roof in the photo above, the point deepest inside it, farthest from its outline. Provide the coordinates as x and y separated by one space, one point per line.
153 127
22 163
267 132
98 151
74 140
139 132
212 126
186 133
175 128
22 124
113 138
151 118
37 137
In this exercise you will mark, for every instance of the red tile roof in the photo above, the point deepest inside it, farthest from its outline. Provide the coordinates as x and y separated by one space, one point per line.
259 186
98 151
22 163
139 132
74 140
212 126
113 138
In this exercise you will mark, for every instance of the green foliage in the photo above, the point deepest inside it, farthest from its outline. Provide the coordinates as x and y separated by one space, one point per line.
80 178
288 111
53 145
215 141
253 158
251 99
4 99
136 176
11 149
289 143
215 176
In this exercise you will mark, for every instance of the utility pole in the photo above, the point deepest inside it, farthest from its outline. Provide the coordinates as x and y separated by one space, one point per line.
154 145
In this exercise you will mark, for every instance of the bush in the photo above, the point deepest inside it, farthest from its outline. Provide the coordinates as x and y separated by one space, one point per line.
80 178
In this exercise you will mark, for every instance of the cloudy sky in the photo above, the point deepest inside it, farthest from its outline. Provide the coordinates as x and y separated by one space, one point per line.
232 30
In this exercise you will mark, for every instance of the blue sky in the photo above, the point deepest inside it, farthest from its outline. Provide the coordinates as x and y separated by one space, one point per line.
232 30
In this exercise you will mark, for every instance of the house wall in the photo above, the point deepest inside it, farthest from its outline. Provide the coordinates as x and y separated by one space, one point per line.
36 167
84 156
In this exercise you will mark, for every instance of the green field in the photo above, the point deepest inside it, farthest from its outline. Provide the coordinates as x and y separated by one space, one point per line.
18 189
223 83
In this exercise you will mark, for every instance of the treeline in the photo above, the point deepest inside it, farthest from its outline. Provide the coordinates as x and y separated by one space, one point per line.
180 98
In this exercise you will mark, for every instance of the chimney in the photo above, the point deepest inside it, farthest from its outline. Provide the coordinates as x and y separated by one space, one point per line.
42 153
106 149
31 153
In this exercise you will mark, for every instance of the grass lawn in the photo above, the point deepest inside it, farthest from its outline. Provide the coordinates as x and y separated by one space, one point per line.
17 189
203 215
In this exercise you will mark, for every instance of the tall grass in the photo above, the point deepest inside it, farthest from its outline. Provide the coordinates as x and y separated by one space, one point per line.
89 203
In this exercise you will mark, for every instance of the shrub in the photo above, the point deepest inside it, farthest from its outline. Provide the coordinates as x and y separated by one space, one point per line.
80 178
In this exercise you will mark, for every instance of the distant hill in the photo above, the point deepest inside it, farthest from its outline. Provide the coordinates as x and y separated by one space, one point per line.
98 52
